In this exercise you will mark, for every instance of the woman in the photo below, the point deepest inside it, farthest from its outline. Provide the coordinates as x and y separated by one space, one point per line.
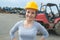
28 28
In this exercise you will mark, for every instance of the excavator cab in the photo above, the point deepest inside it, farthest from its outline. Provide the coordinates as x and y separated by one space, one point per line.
51 11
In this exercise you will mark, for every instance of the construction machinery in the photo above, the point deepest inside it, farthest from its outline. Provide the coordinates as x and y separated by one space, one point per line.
49 17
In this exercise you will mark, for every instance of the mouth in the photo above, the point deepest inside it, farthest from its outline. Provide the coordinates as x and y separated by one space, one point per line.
29 16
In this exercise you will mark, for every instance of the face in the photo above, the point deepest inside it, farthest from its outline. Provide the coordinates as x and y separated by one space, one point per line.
30 14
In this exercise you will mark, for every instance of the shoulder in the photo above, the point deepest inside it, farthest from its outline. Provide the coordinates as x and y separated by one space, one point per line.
19 22
36 23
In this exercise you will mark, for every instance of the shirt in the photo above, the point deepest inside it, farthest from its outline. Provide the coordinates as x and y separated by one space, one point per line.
28 33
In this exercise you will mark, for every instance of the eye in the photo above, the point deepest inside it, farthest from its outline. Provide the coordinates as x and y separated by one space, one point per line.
28 11
33 12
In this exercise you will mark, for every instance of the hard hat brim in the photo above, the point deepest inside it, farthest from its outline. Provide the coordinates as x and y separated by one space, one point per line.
30 8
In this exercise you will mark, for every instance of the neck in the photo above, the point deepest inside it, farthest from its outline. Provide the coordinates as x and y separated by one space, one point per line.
28 21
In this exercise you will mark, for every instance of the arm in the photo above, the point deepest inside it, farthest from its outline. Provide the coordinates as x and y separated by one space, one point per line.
13 30
43 31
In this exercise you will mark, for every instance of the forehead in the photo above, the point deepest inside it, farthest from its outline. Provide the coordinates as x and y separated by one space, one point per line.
31 10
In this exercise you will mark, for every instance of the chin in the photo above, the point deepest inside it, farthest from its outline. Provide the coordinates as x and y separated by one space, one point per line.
29 19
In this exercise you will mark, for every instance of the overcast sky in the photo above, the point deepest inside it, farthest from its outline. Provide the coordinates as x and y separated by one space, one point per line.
22 3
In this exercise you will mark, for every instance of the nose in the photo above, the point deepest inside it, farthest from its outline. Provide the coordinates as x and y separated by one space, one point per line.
30 14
